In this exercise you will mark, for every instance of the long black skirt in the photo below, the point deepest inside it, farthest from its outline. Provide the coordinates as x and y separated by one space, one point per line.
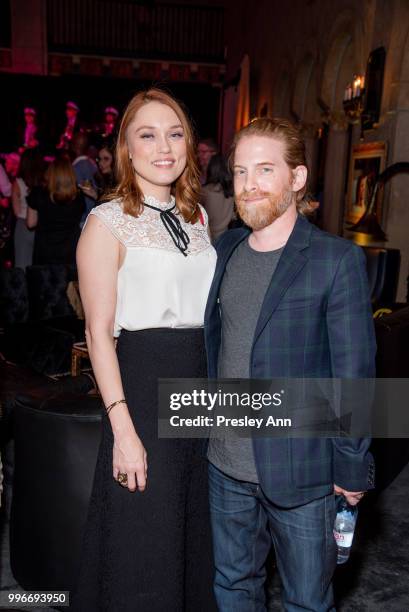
150 551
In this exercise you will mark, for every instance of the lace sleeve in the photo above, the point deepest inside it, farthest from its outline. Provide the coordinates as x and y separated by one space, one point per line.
110 213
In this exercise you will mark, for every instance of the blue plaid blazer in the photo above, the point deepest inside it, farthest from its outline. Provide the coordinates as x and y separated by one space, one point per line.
315 321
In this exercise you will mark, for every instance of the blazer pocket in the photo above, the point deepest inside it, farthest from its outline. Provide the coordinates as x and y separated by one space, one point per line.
311 302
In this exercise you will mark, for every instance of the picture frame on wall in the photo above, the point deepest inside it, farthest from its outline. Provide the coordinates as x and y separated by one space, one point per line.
367 162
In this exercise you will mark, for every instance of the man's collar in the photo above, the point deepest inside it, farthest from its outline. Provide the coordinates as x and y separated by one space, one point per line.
78 159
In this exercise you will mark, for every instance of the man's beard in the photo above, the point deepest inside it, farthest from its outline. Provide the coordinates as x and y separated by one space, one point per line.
259 215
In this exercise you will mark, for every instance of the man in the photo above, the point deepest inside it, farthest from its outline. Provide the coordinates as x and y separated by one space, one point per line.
84 169
30 129
205 151
72 126
111 118
287 300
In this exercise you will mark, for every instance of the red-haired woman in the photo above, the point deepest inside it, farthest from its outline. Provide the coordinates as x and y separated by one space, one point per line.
55 211
145 266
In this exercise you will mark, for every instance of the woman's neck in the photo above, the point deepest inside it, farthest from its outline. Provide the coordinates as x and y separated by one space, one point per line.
159 192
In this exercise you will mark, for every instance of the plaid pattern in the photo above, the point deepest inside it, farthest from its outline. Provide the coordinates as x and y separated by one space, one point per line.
315 322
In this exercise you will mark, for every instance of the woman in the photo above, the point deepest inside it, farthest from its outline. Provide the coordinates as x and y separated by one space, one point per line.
55 211
217 196
105 177
30 175
147 543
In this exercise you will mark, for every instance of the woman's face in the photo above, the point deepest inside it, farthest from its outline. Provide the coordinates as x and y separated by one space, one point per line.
157 146
105 161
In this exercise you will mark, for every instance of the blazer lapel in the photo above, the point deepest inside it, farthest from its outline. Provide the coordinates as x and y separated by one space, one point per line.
291 262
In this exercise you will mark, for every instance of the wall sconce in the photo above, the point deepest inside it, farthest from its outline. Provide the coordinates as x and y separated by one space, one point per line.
353 102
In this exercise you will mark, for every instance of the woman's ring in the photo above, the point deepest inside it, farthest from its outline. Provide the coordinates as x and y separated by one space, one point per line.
123 479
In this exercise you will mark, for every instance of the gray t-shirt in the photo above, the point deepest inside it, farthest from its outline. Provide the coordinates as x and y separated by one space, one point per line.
246 279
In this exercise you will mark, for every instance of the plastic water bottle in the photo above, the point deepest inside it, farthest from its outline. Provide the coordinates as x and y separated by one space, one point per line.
344 528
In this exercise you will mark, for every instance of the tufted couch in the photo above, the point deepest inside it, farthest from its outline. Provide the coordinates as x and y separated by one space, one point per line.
39 323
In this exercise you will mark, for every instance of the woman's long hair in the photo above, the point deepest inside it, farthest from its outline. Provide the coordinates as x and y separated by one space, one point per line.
106 182
61 181
218 173
186 188
32 168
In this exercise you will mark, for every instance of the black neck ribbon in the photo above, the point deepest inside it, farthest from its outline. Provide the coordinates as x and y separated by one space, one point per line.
174 227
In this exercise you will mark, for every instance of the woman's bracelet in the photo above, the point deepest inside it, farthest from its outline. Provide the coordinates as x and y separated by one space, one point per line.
109 408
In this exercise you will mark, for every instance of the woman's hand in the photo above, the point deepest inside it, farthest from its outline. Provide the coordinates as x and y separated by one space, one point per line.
130 458
88 190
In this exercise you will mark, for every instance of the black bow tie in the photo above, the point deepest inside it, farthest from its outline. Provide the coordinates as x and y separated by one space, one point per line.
174 227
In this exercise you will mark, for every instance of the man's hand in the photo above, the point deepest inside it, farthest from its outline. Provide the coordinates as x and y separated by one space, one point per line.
352 497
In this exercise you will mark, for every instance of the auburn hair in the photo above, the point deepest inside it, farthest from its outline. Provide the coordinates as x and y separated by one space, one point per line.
186 188
294 149
61 180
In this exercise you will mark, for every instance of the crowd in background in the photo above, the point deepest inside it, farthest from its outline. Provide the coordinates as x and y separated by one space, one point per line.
45 199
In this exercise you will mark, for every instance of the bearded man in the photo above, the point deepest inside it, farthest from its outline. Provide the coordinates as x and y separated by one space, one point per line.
287 300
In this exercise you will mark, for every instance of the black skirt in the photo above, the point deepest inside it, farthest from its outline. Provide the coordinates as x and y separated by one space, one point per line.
150 551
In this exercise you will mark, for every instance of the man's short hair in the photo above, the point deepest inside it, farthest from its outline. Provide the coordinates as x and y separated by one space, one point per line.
210 143
290 135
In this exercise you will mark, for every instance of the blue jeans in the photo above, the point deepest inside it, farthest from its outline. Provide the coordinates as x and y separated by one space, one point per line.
245 524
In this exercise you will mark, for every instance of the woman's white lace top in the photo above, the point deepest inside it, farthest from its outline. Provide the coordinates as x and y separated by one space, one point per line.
157 285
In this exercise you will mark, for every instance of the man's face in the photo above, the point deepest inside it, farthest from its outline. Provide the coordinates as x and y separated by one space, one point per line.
204 154
262 181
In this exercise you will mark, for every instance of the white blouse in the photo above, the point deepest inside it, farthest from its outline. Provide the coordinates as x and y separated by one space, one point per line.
158 286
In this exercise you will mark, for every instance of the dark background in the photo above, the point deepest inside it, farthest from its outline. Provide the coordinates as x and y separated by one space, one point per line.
48 96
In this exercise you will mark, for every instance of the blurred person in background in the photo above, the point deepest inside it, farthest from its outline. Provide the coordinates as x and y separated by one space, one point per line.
84 168
104 179
30 174
55 211
12 164
5 186
72 125
217 196
30 137
7 176
206 148
109 125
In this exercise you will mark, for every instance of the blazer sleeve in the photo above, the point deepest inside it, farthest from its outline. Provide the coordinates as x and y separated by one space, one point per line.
352 347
